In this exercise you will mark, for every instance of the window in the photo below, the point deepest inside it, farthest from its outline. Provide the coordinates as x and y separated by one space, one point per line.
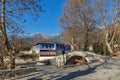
46 45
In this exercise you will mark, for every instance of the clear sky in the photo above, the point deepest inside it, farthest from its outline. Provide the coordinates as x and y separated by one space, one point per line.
48 22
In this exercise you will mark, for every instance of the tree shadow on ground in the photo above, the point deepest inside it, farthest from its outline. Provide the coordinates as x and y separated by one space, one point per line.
73 75
35 79
77 73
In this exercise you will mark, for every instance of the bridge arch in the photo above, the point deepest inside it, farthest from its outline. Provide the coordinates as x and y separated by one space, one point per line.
75 59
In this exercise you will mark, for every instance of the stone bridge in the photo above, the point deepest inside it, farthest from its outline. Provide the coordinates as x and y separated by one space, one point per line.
88 56
75 56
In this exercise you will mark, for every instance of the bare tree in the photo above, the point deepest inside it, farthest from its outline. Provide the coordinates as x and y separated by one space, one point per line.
14 10
110 22
78 15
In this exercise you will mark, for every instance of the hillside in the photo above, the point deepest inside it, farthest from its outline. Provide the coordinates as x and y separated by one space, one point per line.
39 37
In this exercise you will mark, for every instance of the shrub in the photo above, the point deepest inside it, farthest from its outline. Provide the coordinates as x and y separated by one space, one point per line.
26 48
98 48
29 56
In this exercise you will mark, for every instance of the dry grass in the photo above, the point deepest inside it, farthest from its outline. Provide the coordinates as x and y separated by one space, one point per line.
82 60
117 54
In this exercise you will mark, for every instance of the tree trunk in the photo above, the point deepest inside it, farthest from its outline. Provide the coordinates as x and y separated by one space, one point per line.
73 44
11 63
109 48
3 28
3 31
108 43
5 41
86 39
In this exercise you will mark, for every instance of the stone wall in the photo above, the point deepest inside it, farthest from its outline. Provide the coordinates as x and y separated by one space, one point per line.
5 74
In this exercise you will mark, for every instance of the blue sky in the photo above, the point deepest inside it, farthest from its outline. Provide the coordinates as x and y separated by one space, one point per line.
48 22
